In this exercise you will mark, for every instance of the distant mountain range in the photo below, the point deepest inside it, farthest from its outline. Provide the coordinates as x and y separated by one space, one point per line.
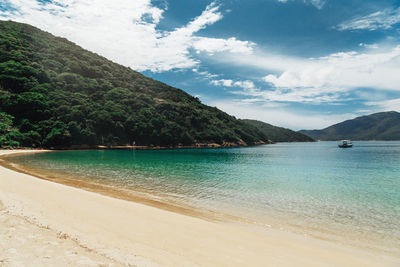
378 126
279 134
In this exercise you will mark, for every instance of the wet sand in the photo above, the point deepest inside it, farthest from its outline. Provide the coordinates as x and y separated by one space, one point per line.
56 224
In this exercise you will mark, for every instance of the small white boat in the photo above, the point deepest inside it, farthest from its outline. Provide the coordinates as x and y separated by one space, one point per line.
345 143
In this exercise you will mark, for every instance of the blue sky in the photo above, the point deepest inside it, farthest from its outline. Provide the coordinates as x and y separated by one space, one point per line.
301 64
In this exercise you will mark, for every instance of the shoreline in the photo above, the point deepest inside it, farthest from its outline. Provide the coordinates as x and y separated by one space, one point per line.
161 200
138 196
137 233
155 147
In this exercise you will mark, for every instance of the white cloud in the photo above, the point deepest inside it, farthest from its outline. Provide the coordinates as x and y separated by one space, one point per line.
305 95
126 31
384 19
323 79
369 46
205 74
213 45
222 82
260 60
247 85
255 94
344 70
386 105
317 3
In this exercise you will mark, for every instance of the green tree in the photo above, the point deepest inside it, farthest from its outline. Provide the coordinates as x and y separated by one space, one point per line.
60 95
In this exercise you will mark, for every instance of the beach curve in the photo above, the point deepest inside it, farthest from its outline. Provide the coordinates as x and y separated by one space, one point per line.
129 233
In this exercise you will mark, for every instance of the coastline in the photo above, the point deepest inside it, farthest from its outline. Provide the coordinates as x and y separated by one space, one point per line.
138 196
126 232
152 147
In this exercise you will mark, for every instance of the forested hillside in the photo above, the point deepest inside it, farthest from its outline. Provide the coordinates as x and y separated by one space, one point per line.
279 134
378 126
53 93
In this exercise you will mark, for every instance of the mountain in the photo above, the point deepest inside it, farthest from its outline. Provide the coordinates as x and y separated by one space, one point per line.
53 93
378 126
279 134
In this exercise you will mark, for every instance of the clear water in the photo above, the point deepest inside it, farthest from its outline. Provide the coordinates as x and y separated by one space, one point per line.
350 195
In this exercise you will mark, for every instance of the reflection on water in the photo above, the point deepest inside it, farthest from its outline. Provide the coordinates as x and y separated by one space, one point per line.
313 188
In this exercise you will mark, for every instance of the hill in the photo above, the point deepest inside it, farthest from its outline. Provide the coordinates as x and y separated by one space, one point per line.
53 93
279 134
378 126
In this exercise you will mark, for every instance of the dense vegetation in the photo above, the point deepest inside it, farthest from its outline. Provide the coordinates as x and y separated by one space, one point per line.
378 126
55 94
279 134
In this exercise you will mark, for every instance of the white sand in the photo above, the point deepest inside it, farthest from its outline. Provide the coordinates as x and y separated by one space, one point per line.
45 223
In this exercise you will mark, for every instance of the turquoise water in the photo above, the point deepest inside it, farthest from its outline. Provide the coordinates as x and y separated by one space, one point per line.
349 195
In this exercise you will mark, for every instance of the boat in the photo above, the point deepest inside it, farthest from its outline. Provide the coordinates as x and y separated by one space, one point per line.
345 143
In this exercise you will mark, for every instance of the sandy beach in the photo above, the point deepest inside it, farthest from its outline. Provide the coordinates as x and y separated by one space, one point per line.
43 223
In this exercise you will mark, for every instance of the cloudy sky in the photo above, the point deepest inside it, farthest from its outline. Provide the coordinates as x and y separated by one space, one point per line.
301 64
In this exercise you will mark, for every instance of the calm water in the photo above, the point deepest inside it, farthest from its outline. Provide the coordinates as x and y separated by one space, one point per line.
349 195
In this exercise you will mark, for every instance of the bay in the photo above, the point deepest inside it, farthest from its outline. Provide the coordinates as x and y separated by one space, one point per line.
346 195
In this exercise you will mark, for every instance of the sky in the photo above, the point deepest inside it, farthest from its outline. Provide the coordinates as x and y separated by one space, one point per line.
300 64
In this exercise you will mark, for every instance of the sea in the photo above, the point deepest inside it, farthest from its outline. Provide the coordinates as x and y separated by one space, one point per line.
346 195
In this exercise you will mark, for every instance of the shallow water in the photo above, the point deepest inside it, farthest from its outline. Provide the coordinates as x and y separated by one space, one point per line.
348 195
